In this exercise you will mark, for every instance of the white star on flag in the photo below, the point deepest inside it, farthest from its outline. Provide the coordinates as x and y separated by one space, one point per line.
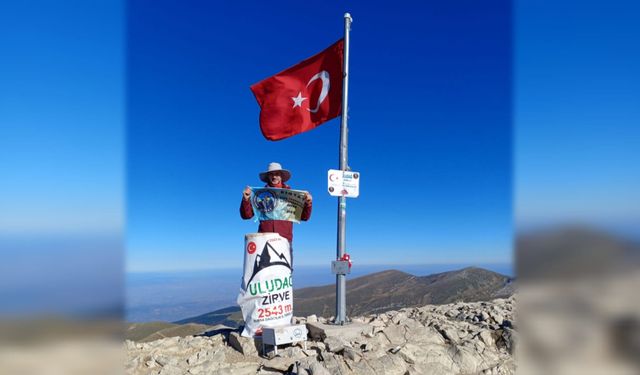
297 100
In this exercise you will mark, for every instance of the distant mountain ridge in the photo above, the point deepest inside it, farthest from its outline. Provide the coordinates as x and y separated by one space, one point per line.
229 316
384 291
392 290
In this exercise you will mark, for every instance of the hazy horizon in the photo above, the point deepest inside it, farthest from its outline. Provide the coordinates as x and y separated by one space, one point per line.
176 295
319 265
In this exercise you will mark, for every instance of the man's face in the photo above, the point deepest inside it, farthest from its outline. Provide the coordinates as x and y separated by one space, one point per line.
275 178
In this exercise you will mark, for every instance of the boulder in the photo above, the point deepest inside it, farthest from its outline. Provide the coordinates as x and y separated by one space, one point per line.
389 364
335 344
467 359
395 335
487 338
317 369
244 345
242 368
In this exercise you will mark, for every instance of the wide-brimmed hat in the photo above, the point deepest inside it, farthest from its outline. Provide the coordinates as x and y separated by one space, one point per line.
275 167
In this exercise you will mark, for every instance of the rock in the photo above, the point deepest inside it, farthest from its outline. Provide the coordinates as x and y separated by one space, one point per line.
171 370
499 319
507 323
368 334
424 334
320 331
395 335
438 340
335 364
310 352
377 323
490 357
389 364
244 345
487 338
206 367
410 324
375 330
429 368
411 353
335 344
395 349
303 365
319 345
467 359
507 340
279 363
484 316
262 371
317 369
450 334
360 367
451 313
242 368
164 360
399 318
462 333
351 354
292 352
206 355
366 347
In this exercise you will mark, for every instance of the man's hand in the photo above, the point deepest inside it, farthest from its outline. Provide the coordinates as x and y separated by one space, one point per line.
246 193
308 198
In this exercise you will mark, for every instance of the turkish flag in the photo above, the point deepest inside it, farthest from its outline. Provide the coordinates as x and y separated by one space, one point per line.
302 97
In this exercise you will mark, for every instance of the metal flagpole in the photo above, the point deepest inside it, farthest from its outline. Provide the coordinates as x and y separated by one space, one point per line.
341 284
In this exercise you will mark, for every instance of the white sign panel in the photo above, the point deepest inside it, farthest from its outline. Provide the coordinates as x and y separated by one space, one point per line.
344 183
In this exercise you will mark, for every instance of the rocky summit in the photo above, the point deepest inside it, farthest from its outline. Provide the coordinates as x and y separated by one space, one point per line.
458 338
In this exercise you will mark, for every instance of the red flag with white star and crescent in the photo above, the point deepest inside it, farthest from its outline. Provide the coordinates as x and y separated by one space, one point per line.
302 97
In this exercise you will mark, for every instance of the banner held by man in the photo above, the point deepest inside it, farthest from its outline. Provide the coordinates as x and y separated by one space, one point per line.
277 204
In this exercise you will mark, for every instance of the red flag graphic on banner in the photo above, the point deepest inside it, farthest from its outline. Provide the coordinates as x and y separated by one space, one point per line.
302 97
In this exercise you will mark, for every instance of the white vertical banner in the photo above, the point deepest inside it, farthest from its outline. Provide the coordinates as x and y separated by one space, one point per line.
266 293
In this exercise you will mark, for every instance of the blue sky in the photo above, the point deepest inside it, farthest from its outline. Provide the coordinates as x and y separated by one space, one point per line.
62 116
577 114
61 156
430 130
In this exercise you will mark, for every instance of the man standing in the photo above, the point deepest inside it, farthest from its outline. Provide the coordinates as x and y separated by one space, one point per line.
275 177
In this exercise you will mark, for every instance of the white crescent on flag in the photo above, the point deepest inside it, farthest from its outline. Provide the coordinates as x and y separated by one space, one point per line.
324 77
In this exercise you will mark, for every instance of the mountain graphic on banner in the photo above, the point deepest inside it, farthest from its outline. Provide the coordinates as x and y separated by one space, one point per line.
264 260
